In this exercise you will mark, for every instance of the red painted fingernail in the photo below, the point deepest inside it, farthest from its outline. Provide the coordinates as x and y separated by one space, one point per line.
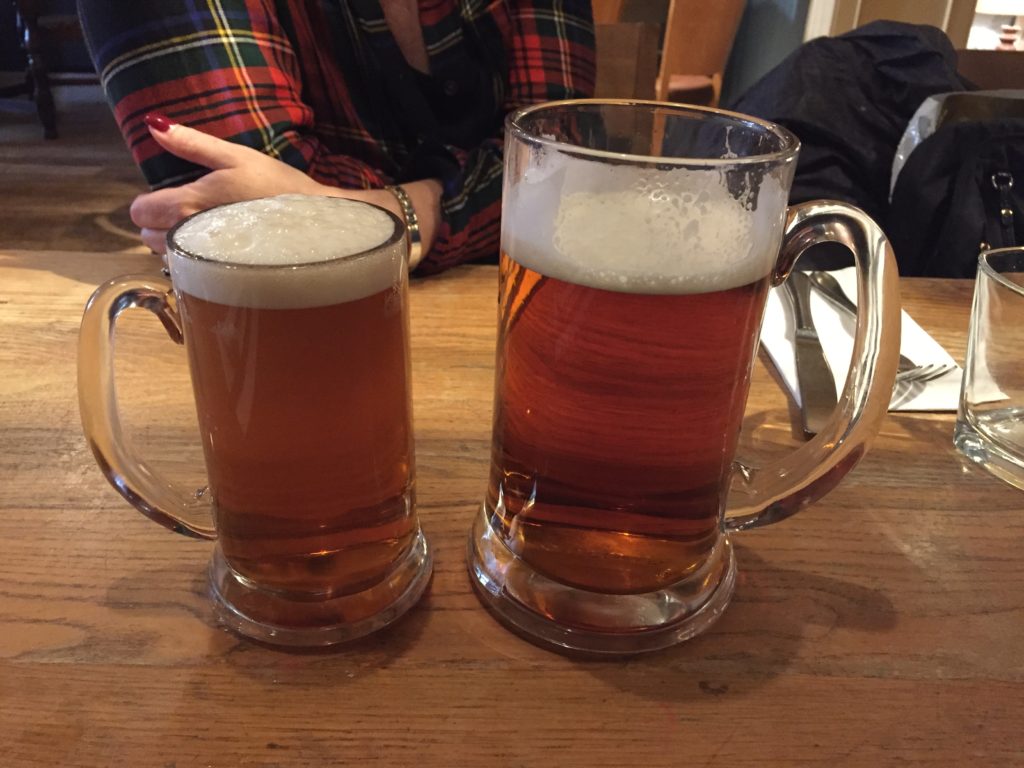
158 122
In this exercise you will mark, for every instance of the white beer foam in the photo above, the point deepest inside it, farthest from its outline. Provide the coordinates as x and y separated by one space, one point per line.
287 252
642 230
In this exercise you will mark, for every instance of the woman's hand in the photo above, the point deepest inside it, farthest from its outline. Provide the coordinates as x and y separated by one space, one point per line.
236 173
240 173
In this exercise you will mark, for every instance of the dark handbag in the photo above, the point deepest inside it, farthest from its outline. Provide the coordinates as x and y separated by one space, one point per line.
960 191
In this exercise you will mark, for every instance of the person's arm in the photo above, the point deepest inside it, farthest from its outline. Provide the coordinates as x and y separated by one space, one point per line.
550 53
224 67
227 69
241 173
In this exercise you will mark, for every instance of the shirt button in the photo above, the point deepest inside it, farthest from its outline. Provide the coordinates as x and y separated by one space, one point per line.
450 87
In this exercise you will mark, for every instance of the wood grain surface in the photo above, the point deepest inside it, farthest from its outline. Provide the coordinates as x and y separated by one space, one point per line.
72 193
883 626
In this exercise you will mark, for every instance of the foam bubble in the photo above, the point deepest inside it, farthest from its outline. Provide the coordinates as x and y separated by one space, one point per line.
287 251
642 230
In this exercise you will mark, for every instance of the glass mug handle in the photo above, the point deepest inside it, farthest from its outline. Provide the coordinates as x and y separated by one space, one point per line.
190 513
767 494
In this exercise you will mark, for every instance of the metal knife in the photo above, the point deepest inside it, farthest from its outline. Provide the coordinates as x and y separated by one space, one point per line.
830 288
814 378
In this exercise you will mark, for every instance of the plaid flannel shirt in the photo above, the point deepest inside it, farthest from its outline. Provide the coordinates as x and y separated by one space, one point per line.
316 83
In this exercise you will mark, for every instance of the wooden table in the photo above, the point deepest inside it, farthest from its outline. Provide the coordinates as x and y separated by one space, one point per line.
883 626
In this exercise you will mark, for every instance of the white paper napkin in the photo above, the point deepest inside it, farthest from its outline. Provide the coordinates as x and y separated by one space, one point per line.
835 330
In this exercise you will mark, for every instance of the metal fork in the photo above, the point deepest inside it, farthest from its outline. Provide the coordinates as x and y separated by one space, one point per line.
908 370
922 373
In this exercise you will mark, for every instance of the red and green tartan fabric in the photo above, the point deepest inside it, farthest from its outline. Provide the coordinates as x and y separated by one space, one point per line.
322 85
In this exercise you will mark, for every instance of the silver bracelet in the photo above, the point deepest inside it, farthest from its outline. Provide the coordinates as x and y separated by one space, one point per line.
412 224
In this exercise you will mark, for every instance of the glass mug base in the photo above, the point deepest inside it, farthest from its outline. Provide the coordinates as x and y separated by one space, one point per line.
985 450
590 622
286 620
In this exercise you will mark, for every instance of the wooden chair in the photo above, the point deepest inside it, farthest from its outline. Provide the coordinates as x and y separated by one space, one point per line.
41 28
607 11
627 60
698 37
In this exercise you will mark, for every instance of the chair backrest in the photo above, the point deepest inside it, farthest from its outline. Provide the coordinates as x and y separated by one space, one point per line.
627 60
695 45
607 11
698 37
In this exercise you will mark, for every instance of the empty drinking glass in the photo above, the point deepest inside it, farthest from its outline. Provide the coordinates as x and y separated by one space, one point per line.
990 422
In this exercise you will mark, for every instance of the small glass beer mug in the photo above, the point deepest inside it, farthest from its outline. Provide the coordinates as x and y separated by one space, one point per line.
294 314
639 241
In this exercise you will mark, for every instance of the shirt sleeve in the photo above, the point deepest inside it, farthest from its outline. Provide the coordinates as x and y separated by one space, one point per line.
228 68
223 66
550 56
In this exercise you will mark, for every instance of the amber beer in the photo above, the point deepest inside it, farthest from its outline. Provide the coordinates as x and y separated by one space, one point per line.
617 416
627 330
302 387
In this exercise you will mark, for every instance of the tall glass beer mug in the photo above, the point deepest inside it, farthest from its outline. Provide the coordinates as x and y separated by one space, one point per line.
294 314
639 241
